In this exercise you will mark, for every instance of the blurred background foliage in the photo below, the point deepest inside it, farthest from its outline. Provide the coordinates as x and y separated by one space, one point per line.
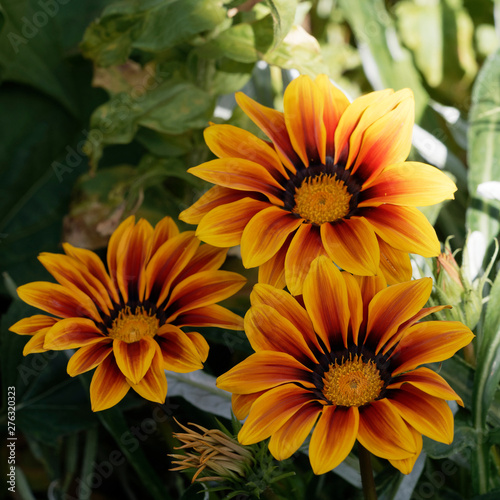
103 109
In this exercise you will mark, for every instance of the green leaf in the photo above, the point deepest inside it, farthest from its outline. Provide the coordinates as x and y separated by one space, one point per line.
151 26
35 42
283 12
115 423
484 148
49 403
35 132
169 106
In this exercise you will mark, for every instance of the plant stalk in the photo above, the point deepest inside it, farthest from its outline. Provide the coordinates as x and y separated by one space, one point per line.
365 466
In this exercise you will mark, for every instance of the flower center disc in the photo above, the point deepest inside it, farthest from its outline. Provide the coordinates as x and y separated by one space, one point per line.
131 327
321 199
352 383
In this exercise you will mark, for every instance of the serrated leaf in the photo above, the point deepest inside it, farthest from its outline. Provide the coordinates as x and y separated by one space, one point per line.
484 148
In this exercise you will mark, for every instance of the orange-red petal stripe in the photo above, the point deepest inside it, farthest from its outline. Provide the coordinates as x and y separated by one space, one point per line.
88 357
333 438
242 175
264 235
224 225
58 300
427 414
352 245
303 106
134 358
383 432
272 122
271 411
272 272
212 315
404 228
153 386
179 353
242 403
108 386
72 333
228 141
33 324
306 245
264 370
289 437
408 184
325 298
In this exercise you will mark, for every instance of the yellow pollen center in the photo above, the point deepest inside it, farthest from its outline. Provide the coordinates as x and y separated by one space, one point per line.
132 326
322 198
352 383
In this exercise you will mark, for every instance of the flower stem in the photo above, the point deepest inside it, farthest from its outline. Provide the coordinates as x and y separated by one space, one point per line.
365 466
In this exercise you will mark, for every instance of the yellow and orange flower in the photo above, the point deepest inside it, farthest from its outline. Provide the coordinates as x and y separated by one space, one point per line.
128 322
348 363
333 181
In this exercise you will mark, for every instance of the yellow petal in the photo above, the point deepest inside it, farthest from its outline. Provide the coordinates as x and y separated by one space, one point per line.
134 358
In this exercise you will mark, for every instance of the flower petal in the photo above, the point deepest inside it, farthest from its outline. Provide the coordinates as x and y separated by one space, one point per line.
179 353
202 289
113 244
289 437
266 232
333 438
393 306
286 306
71 274
212 315
404 228
429 382
303 106
355 304
206 258
267 330
153 386
58 300
352 245
395 265
165 229
242 403
306 245
388 139
242 175
335 103
71 333
264 370
325 298
168 261
272 122
215 196
108 386
200 343
429 342
134 358
132 256
272 272
88 357
224 225
272 410
408 184
428 415
33 324
228 141
383 432
372 105
36 342
94 266
405 465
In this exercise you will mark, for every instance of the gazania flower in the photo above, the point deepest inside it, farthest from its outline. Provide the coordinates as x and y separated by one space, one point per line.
333 181
348 363
128 323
